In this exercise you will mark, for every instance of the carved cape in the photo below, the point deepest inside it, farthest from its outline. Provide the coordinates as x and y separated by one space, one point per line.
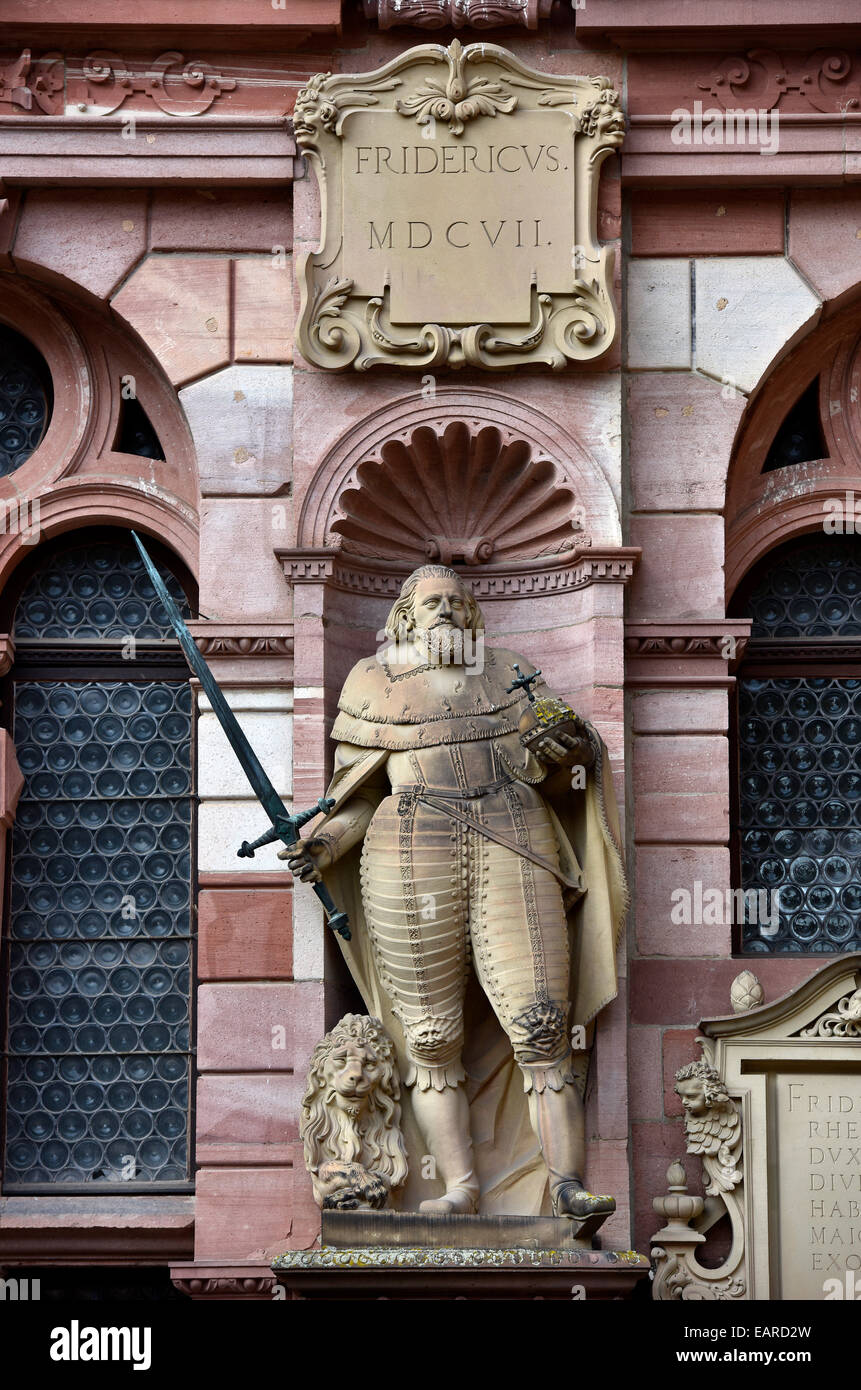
512 1175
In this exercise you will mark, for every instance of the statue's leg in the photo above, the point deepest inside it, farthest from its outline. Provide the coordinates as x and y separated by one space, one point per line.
443 1118
414 898
520 941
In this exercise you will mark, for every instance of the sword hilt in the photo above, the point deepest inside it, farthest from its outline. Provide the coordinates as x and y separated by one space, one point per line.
285 829
246 850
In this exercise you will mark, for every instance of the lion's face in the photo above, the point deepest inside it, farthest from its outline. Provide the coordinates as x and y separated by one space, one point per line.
352 1072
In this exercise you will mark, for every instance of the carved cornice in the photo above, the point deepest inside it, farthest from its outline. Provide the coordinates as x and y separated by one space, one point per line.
699 652
457 14
208 1280
245 646
226 1288
434 1257
356 574
75 149
218 639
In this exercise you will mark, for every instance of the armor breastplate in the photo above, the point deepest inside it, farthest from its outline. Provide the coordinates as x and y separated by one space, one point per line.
451 767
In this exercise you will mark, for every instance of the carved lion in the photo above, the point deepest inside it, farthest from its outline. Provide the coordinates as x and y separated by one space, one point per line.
351 1115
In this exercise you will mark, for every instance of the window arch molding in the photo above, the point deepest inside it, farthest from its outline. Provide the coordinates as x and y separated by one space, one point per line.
30 313
76 504
765 509
94 358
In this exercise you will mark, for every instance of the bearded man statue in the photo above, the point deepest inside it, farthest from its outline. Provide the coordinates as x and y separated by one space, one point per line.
474 841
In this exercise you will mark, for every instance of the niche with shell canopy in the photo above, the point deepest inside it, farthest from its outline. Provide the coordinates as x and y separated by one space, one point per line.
465 495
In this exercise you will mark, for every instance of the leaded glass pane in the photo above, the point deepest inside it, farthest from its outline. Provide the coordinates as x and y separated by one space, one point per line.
98 1013
811 591
800 798
92 591
25 399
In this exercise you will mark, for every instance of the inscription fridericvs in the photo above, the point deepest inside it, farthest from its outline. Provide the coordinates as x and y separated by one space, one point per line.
819 1181
459 213
455 159
445 226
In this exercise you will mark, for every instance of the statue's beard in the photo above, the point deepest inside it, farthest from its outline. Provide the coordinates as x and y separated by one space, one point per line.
442 644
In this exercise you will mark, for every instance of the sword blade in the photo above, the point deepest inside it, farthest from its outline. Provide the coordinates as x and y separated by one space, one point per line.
251 766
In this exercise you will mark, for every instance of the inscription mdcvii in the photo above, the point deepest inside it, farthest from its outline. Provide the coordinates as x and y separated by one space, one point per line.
459 193
819 1157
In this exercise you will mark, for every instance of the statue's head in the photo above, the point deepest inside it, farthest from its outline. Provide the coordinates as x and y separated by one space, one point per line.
351 1110
433 598
699 1087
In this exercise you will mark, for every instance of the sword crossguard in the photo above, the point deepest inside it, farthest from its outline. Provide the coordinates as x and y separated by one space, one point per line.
286 830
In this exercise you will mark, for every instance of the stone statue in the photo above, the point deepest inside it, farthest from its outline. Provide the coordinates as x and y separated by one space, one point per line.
475 838
712 1124
351 1114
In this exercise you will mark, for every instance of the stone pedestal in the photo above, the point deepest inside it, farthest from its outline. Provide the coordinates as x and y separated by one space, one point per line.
403 1255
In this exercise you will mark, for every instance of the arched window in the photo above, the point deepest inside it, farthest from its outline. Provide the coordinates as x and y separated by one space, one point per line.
98 937
798 792
25 399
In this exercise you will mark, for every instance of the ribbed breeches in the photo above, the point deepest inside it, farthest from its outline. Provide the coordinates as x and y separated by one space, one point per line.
437 893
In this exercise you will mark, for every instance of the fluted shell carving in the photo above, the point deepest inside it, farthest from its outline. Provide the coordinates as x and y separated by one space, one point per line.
463 496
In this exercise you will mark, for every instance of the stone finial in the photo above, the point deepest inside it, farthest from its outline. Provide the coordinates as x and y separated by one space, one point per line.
746 992
679 1206
351 1117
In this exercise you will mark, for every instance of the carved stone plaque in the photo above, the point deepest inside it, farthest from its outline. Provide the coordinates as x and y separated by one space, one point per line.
459 193
818 1143
774 1109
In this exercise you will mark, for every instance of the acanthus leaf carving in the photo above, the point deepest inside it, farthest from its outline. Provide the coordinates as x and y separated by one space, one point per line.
457 14
843 1021
461 99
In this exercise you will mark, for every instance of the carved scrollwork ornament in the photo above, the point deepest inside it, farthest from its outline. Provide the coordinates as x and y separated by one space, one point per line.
459 214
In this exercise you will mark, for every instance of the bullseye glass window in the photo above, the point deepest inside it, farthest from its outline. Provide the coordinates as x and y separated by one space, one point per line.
799 751
97 1024
25 399
800 785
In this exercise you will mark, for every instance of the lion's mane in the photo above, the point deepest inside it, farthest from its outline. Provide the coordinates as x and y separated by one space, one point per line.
375 1141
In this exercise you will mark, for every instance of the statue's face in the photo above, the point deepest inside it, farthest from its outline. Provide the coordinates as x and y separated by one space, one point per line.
439 603
692 1095
352 1070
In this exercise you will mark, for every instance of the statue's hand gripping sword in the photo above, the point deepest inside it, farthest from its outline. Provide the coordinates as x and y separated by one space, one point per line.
284 826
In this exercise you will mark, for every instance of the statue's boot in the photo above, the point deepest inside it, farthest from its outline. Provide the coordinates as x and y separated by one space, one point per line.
558 1122
443 1118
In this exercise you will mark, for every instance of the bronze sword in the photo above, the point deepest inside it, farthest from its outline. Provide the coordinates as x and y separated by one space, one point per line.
284 826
